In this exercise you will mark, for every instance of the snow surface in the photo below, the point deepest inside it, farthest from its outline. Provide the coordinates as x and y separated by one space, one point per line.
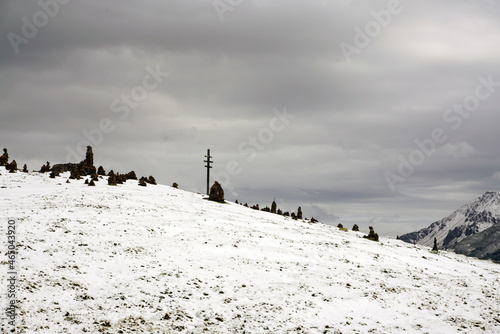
129 259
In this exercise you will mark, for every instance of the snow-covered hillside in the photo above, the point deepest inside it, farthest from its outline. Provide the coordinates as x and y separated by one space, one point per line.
129 259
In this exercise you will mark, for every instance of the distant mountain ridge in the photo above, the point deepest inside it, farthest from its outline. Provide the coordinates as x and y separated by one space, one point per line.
474 229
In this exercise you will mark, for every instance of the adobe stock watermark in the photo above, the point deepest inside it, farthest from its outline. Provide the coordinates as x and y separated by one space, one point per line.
453 117
372 29
121 107
30 27
223 6
11 309
249 148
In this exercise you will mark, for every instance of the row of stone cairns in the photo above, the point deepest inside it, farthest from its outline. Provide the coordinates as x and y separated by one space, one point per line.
86 167
274 209
371 235
216 194
79 170
12 166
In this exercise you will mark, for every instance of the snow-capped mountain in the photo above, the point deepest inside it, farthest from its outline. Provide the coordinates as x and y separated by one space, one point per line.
470 230
131 259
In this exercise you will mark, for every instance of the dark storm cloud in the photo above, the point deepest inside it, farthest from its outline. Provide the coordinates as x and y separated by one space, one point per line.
353 117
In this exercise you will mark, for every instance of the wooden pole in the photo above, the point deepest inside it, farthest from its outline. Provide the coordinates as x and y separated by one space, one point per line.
208 161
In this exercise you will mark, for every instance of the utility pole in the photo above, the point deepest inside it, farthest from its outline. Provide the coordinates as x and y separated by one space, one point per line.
208 161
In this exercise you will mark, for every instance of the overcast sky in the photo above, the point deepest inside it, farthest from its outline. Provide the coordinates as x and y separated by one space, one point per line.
380 113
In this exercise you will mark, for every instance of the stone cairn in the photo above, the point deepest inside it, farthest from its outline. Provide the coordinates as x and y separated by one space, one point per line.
216 193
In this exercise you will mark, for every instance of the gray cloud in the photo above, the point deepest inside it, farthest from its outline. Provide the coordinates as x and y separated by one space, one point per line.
353 121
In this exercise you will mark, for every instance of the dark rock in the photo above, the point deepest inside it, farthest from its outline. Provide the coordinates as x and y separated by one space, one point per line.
151 180
75 175
142 182
101 171
119 178
372 235
89 157
4 159
131 175
12 167
274 207
112 178
216 193
435 247
63 168
299 213
45 168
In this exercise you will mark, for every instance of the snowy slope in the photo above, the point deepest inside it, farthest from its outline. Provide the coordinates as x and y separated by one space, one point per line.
475 217
129 259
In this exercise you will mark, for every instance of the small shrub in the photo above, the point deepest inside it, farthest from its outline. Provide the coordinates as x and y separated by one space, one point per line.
355 228
142 182
175 185
340 225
